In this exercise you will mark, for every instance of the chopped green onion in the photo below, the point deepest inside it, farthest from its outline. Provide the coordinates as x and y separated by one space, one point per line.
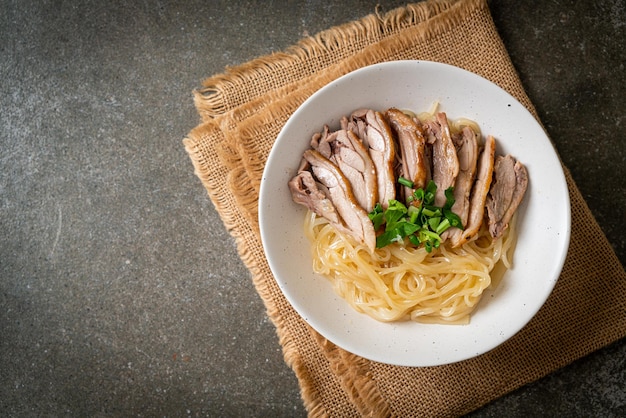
406 182
443 225
413 212
449 197
430 235
434 223
431 189
419 221
454 219
430 212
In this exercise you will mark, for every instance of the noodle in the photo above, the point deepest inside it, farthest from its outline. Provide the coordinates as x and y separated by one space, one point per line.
400 282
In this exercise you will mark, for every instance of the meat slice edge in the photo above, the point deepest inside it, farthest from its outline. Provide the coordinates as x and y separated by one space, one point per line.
374 131
467 154
350 154
307 192
327 192
444 159
413 164
480 190
506 193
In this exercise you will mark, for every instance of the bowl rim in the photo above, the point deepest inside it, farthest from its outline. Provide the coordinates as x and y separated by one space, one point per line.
267 230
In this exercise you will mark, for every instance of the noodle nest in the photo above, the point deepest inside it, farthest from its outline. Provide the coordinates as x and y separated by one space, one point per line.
403 282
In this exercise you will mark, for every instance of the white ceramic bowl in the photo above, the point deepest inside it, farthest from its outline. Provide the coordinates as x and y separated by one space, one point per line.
543 217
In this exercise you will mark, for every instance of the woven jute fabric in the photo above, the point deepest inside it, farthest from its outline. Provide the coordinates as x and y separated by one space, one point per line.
242 112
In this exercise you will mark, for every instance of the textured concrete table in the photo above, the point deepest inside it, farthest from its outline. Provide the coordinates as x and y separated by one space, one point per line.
121 293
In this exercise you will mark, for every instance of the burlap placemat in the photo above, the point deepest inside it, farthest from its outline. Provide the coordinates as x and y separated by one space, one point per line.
244 109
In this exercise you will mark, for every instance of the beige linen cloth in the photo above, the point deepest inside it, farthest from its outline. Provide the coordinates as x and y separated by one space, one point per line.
242 112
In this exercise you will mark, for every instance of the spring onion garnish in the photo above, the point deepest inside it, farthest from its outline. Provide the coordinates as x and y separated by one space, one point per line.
421 222
405 182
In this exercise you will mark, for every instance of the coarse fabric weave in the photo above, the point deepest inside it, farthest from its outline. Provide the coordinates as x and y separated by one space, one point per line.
242 112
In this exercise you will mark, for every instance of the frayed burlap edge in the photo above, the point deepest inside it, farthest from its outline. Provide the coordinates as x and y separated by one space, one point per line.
286 101
360 388
221 87
351 369
212 176
221 93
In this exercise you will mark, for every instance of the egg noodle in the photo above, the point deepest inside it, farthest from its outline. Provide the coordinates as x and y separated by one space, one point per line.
400 282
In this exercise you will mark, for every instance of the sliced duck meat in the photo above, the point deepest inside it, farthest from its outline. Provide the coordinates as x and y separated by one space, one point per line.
348 152
357 123
478 197
506 193
445 163
321 141
315 196
467 154
330 195
372 128
413 164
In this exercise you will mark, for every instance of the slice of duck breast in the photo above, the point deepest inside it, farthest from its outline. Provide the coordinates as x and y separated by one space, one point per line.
306 191
506 193
467 153
411 143
346 214
445 163
478 197
350 154
372 128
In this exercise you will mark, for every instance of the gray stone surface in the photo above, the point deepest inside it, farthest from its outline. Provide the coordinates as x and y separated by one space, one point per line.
121 292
